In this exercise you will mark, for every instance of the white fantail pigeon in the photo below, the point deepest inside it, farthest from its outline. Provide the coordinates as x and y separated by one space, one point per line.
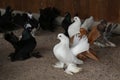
78 40
65 55
74 28
87 23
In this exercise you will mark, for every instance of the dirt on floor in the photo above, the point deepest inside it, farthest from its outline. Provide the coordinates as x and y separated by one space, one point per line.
108 68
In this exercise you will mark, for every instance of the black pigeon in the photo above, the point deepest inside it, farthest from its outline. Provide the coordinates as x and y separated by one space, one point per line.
66 22
6 20
33 22
47 18
23 47
20 19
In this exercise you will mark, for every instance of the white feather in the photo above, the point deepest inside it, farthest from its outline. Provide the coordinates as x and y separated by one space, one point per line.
88 23
76 40
64 54
30 15
27 25
72 69
80 45
74 27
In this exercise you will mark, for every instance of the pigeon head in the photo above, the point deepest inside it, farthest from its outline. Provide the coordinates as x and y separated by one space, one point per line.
101 27
67 14
62 37
28 27
8 9
76 19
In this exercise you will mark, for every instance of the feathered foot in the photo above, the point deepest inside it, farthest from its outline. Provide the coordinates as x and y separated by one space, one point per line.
59 65
110 44
72 68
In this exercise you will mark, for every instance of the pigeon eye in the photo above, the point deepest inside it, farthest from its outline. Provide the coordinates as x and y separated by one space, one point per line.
75 18
60 36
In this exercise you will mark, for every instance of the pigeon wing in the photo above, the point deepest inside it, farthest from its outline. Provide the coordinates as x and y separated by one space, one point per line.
82 46
88 23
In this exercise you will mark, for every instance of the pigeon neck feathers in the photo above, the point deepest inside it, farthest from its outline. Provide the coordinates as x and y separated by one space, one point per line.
26 34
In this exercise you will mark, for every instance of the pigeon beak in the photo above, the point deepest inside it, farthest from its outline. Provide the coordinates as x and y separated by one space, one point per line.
72 20
57 38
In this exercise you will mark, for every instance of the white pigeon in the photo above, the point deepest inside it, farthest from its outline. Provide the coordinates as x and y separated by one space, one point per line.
88 23
79 44
65 56
74 28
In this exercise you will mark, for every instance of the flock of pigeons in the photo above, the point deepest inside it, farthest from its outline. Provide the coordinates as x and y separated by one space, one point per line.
75 42
26 43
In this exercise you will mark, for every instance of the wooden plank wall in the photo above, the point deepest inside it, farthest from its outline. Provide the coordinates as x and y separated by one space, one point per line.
107 9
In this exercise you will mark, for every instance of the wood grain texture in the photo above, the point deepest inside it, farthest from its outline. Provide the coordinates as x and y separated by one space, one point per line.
107 9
